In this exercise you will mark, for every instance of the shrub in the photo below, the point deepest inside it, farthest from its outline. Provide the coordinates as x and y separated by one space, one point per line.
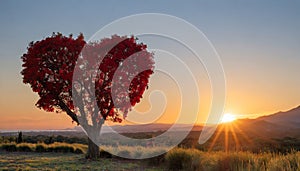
210 161
50 149
178 159
78 151
40 148
9 147
63 149
24 148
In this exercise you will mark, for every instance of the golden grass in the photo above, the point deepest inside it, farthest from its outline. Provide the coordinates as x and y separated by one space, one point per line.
184 159
191 159
42 147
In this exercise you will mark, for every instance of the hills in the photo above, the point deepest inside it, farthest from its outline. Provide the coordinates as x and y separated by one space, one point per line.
289 118
280 124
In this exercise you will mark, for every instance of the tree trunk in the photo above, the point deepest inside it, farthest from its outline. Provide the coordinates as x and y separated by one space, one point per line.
93 150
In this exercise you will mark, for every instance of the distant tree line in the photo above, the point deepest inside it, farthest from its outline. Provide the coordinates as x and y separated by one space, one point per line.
20 138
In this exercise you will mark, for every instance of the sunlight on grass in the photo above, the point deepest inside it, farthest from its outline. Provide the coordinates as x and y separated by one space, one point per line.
191 159
176 159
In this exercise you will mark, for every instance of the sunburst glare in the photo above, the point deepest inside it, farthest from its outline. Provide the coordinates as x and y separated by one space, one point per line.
228 117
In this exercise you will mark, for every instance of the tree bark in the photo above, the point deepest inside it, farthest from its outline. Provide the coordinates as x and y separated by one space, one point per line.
93 132
93 150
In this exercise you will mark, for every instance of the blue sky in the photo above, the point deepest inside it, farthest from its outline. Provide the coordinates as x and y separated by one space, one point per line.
258 42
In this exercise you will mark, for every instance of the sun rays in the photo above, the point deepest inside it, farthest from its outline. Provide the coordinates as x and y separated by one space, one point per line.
232 135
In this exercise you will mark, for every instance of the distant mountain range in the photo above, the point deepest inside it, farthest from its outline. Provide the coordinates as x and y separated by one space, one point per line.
289 118
275 125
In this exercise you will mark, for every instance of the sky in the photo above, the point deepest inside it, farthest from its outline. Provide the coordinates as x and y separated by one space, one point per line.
257 41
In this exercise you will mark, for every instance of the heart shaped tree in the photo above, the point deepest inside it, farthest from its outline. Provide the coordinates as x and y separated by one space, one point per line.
108 81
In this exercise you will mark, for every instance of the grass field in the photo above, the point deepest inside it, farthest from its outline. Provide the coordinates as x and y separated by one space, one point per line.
67 161
64 156
176 159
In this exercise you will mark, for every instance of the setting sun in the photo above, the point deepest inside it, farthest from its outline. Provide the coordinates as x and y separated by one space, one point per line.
228 117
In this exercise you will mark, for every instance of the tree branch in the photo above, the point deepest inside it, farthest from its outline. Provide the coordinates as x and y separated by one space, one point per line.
65 108
84 122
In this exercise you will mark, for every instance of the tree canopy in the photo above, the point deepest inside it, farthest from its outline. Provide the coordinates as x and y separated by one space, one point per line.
49 65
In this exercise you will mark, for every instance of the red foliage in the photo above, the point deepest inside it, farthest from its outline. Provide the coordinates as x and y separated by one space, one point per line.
49 65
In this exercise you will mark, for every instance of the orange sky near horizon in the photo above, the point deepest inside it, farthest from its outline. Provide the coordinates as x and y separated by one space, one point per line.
23 115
